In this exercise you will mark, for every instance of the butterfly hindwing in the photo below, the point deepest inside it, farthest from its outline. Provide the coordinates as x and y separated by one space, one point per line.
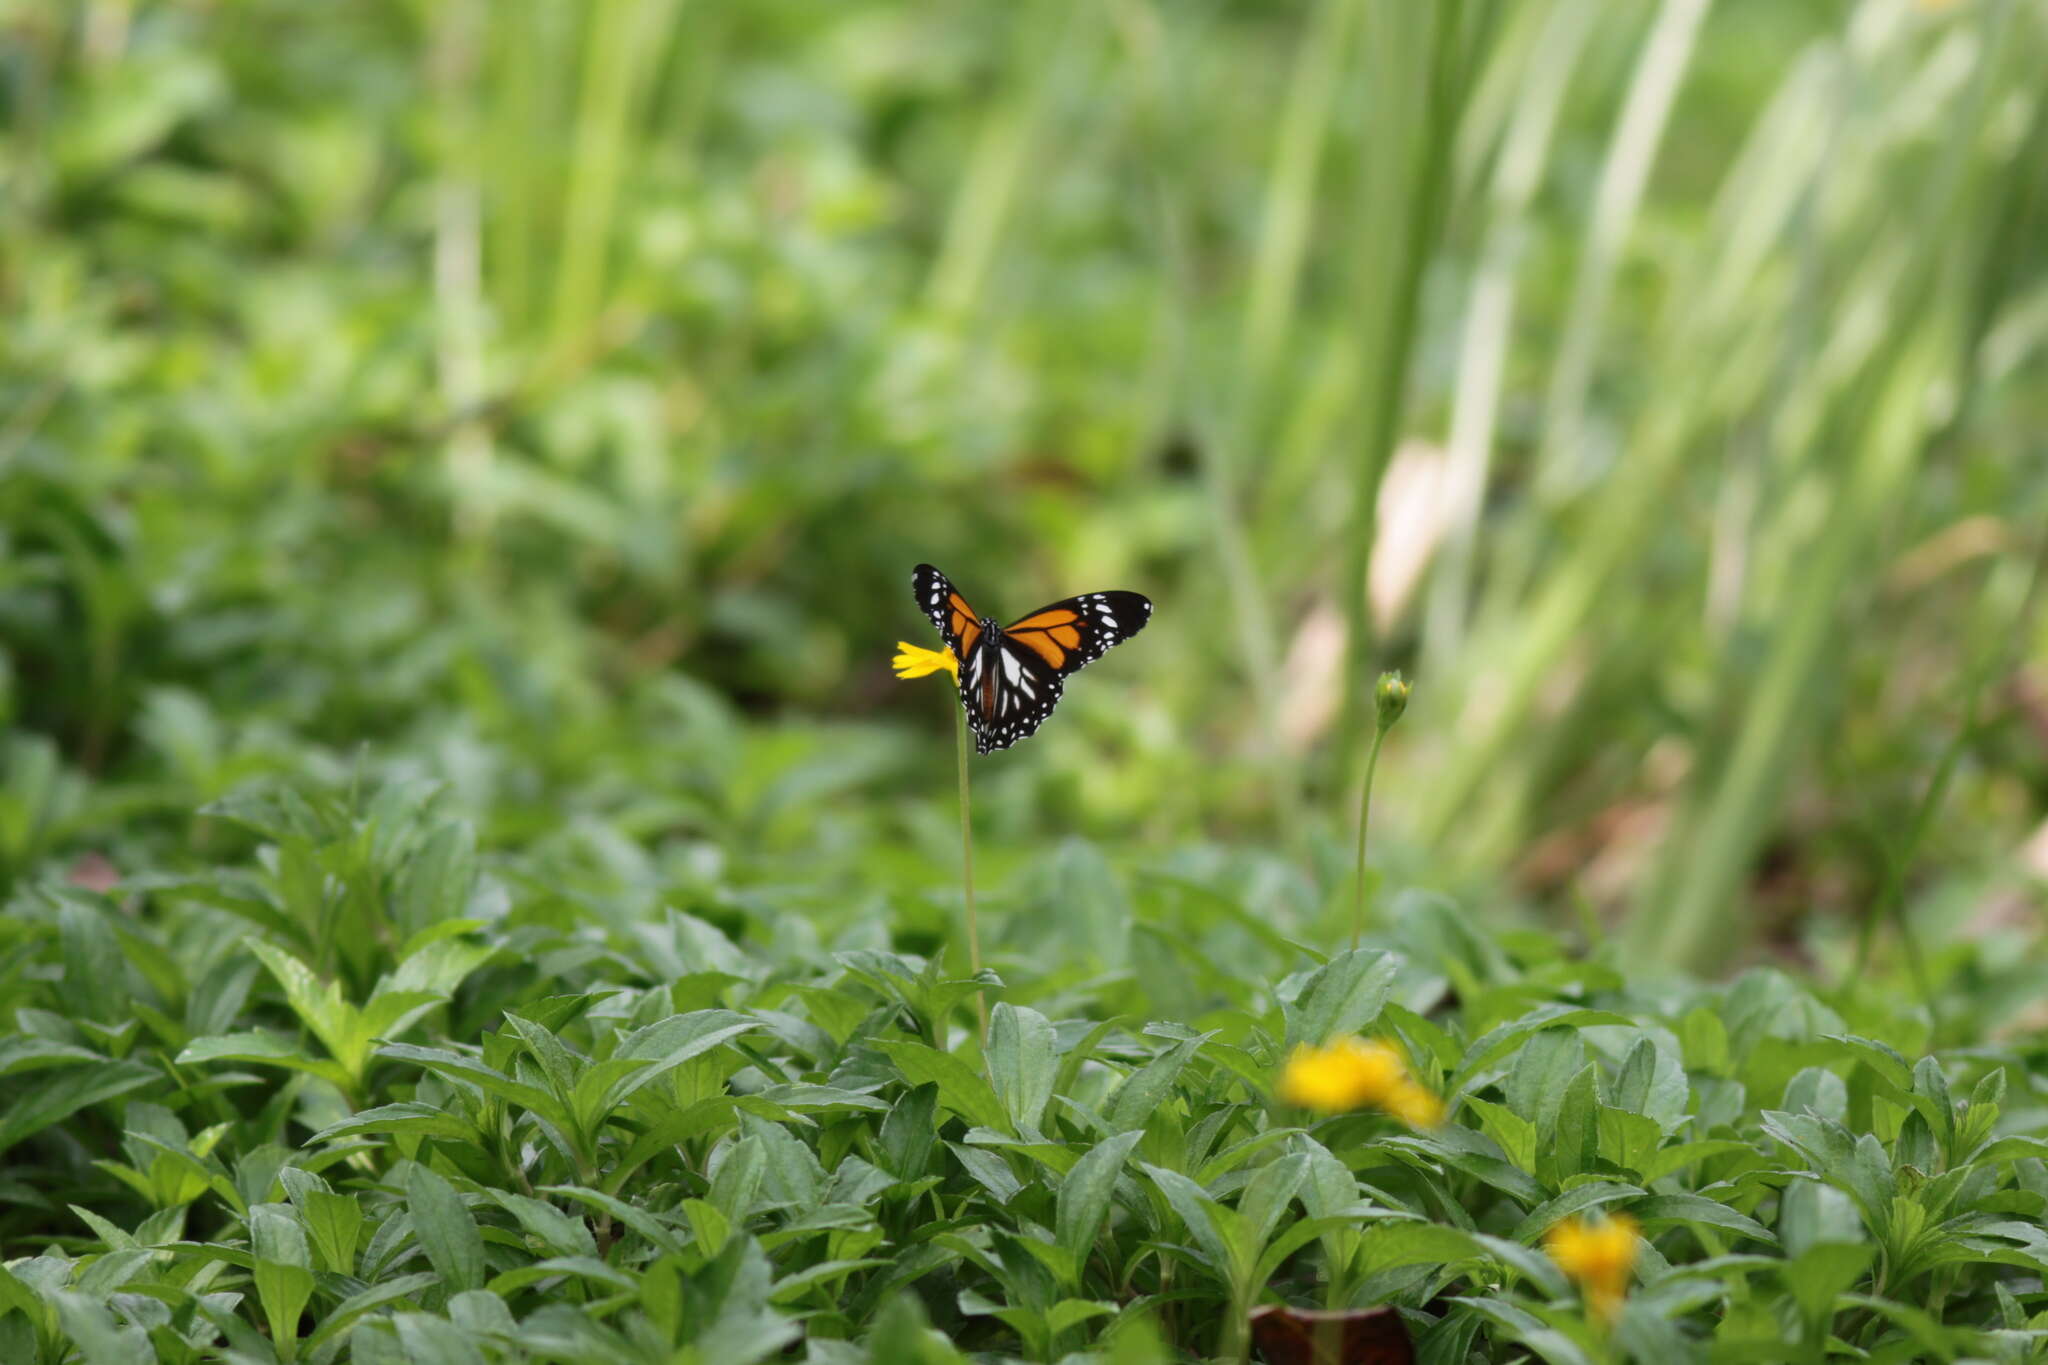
1011 677
1008 691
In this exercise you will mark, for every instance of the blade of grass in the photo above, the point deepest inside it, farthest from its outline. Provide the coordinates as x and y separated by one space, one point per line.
1913 335
1666 58
623 44
1413 114
1489 319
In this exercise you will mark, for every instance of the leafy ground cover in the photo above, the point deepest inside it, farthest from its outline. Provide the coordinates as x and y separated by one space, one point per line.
368 1094
473 893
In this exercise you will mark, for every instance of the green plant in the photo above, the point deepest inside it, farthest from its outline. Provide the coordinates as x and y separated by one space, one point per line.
682 1142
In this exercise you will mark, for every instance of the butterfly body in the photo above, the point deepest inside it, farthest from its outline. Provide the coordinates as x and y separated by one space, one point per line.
1012 676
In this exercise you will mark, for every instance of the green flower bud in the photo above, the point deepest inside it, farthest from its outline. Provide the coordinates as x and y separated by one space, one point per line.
1391 699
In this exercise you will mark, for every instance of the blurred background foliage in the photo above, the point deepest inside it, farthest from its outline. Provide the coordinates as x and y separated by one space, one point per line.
549 401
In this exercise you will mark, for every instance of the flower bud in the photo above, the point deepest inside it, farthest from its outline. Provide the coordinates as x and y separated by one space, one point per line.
1391 699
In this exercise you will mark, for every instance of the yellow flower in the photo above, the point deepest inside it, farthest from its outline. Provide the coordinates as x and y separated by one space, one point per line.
1415 1105
1350 1073
1600 1255
915 662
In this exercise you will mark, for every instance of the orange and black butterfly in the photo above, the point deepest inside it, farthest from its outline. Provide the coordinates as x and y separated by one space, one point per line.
1011 676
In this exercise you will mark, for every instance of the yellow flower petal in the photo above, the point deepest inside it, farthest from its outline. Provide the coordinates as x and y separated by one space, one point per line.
913 661
1599 1255
1415 1105
1350 1073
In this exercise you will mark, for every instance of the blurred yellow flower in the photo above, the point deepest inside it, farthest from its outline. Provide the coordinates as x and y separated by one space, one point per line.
912 661
1354 1073
1415 1105
1599 1254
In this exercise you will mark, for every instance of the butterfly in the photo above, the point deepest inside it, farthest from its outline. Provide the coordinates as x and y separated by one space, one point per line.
1011 676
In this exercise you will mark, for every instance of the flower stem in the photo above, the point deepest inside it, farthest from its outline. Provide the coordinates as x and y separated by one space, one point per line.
1389 700
1372 761
967 872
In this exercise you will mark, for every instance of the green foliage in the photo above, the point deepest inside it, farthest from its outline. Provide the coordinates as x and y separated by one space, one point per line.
533 396
532 1138
470 895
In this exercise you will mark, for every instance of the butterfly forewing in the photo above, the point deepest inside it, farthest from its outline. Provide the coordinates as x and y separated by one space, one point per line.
1011 677
1077 631
948 610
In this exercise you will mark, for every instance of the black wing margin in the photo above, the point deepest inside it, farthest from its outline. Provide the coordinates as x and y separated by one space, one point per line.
938 599
1076 631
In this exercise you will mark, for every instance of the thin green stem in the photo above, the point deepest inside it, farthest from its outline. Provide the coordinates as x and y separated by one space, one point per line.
1411 166
967 872
1372 761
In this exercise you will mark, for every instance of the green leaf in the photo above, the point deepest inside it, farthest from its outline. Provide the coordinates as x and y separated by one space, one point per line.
435 883
1575 1141
911 1130
345 1314
818 1275
1575 1200
902 1335
408 1118
389 1012
1820 1275
474 1072
556 1231
283 1272
433 1339
1271 1189
333 1222
1470 1152
637 1219
1694 1208
1205 1220
1542 1075
737 1178
24 1052
1515 1134
1922 1327
791 1173
91 1328
1670 1160
1930 1084
1084 1196
1403 1242
319 1004
1518 1325
668 1043
989 1171
1021 1056
1856 1165
264 1049
961 1089
1070 1313
1628 1140
1498 1041
1341 997
446 1231
1150 1086
1881 1058
65 1092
